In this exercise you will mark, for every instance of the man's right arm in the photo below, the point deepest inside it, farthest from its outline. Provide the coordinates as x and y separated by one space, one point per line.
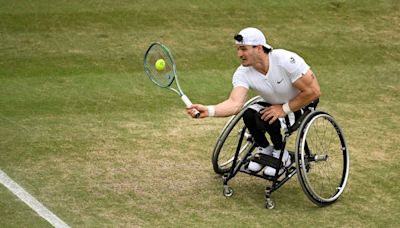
233 104
230 106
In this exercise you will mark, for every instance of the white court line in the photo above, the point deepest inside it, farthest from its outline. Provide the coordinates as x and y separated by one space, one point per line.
31 201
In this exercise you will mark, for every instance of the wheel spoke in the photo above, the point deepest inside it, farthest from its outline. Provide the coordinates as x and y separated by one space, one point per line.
323 174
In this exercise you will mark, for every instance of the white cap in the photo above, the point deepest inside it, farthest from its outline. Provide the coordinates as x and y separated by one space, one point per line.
252 36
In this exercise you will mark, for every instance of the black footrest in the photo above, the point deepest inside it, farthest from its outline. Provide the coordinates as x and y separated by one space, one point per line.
267 160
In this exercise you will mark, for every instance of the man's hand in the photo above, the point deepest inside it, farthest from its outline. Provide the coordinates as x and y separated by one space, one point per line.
272 113
201 108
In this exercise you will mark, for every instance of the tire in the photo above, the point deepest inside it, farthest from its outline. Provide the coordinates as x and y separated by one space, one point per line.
225 148
322 158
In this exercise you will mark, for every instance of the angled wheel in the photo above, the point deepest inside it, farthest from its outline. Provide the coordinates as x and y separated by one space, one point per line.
225 148
322 158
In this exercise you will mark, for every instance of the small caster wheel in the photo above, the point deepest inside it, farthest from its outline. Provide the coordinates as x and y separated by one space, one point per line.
228 191
269 204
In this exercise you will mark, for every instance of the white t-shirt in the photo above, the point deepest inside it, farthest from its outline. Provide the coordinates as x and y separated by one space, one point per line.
275 87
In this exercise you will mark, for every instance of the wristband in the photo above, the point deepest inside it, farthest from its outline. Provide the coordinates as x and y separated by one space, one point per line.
211 110
286 108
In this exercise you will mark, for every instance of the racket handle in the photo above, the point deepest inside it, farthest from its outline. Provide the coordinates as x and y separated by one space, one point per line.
188 103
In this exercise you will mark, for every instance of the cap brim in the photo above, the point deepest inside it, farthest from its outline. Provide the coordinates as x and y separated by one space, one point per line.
268 46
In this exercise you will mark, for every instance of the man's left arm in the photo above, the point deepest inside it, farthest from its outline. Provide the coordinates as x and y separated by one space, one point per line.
309 91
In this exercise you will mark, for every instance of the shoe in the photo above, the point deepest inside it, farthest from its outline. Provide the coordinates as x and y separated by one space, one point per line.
254 166
269 171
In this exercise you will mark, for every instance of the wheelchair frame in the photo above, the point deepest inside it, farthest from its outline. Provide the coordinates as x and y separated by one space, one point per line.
302 159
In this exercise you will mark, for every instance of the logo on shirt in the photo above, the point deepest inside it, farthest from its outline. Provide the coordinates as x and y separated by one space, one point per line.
279 82
292 60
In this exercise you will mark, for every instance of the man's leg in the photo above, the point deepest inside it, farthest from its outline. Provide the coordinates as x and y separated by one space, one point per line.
252 120
258 127
274 131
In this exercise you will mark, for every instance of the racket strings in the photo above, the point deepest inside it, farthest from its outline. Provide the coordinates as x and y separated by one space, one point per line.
163 77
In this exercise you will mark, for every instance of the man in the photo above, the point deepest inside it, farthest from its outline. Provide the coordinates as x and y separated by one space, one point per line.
284 81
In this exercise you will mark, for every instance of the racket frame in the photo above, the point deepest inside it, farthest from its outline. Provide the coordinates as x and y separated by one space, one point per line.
174 75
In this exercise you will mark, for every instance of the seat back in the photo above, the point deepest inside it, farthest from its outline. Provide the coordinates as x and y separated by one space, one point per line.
307 110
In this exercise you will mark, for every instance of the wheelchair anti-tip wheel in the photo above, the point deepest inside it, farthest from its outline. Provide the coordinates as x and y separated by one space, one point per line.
269 203
228 191
322 158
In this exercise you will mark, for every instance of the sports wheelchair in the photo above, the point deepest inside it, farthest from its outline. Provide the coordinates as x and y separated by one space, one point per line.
320 156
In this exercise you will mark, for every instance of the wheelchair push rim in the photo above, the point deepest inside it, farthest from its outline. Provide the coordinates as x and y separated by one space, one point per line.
225 148
322 158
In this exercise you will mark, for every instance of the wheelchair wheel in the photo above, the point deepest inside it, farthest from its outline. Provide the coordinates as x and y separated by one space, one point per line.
225 149
322 158
226 146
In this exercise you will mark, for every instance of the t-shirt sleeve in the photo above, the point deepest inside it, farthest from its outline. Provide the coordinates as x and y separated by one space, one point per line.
295 66
239 79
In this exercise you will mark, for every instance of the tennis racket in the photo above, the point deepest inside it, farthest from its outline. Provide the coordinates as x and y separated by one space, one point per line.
164 74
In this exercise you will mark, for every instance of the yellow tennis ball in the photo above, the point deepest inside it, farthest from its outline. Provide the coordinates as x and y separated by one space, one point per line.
160 64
